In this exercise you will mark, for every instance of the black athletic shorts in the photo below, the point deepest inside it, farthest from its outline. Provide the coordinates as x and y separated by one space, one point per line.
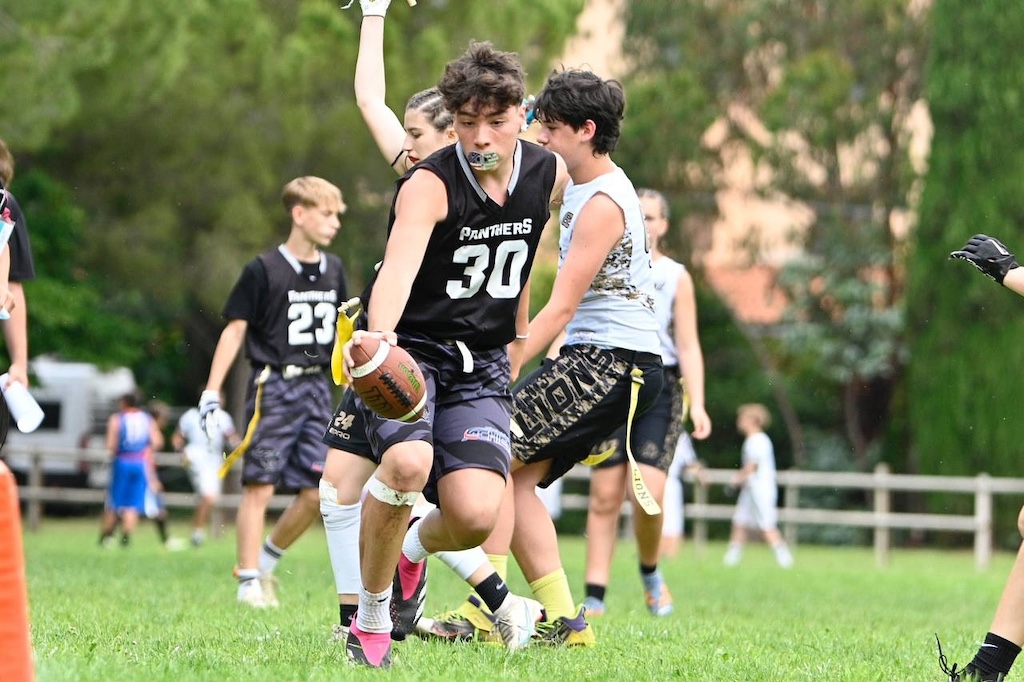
565 407
287 447
655 433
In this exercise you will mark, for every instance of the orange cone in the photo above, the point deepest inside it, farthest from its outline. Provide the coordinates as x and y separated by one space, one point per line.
15 647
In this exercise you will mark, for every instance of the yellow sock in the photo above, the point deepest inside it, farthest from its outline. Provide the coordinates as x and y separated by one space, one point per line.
500 563
552 591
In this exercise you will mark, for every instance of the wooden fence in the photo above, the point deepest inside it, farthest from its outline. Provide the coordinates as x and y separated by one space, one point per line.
881 484
34 494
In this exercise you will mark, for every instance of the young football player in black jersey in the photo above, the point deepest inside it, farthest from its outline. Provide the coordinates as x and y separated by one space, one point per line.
462 235
425 127
283 308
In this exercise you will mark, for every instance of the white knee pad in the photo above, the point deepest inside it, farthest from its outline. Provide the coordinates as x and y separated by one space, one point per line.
341 526
389 495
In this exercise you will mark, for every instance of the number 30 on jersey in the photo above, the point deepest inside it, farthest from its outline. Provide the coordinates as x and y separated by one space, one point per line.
505 274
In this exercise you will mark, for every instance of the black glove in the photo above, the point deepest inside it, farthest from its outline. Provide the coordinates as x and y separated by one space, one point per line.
989 255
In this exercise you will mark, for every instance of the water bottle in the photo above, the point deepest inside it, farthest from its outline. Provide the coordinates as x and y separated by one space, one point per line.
24 408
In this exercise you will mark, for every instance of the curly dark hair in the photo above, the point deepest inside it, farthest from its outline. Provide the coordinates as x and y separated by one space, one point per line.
574 96
484 78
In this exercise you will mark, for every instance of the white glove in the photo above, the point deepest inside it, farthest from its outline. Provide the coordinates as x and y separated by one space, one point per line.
209 403
374 8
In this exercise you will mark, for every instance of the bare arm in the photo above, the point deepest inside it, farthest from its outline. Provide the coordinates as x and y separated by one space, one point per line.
691 358
156 436
8 303
515 349
178 440
599 227
227 350
1014 281
16 335
422 202
556 346
745 472
113 440
370 87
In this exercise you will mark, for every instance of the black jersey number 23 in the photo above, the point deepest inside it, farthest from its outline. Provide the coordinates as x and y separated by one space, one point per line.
311 323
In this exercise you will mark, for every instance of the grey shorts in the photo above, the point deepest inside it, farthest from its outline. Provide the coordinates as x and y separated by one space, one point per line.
467 417
655 433
568 405
347 429
286 448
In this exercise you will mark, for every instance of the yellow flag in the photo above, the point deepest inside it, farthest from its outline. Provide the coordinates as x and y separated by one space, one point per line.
347 314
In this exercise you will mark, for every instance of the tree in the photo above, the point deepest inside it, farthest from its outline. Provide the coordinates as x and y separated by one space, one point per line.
173 126
819 95
965 332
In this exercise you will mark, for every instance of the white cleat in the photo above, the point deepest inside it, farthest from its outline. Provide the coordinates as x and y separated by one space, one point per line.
516 621
251 594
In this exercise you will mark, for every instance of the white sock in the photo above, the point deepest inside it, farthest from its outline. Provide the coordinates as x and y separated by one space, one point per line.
463 562
270 554
247 574
374 614
412 548
341 526
782 555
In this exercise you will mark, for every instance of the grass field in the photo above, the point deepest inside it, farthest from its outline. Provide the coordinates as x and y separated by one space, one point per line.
146 614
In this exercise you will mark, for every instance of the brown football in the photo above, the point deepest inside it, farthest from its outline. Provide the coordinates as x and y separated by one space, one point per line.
388 380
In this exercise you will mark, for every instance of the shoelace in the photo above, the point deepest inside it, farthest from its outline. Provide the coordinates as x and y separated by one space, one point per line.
954 673
547 629
450 617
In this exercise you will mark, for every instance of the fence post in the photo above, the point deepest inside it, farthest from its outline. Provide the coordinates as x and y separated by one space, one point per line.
700 523
882 507
35 484
983 522
791 500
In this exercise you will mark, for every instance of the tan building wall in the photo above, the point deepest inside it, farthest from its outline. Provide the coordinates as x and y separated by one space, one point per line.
748 290
743 279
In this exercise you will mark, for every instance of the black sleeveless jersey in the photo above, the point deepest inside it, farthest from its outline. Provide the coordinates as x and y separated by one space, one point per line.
293 322
478 259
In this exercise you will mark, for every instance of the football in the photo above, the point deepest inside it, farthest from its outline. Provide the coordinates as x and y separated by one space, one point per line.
388 380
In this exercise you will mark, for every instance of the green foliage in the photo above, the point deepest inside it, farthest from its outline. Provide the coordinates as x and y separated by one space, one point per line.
966 330
820 96
733 377
866 344
174 126
74 312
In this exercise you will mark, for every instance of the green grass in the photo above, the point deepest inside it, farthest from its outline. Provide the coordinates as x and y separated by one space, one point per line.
145 614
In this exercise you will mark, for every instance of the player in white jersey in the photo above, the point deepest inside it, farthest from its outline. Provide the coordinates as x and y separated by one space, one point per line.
603 298
756 505
655 433
202 454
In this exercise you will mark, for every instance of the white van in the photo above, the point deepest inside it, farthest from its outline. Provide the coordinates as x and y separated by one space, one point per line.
77 398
